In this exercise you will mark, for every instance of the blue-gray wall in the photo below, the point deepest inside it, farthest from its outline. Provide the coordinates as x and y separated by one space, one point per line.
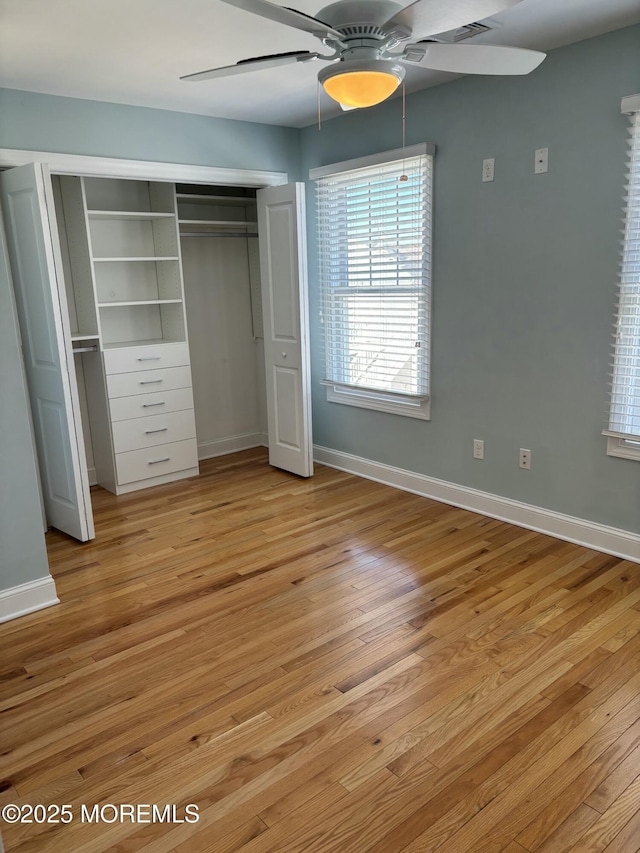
23 556
74 126
524 281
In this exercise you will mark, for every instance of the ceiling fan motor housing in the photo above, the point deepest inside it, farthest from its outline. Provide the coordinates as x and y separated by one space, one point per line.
363 18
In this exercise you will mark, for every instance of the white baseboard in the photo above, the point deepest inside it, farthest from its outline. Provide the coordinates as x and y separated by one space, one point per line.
93 477
611 540
27 598
209 449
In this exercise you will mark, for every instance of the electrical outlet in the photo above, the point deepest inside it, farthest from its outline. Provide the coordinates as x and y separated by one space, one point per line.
525 459
478 448
487 169
541 161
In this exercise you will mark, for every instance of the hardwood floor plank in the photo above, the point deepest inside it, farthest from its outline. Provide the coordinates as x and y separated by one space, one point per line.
569 831
603 832
628 839
615 783
468 769
567 719
551 816
497 820
343 817
207 840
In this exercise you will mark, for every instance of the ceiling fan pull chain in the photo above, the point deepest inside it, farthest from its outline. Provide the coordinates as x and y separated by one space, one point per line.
403 176
319 116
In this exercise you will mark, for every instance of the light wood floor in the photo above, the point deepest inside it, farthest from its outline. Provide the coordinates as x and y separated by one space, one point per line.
324 665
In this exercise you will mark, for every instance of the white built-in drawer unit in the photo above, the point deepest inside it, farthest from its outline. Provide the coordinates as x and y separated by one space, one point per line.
138 433
140 465
141 405
152 357
151 411
148 381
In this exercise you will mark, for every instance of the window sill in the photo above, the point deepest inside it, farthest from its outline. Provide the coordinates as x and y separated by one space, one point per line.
379 401
623 448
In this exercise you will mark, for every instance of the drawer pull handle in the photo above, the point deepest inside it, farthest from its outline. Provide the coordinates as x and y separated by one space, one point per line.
151 381
149 358
151 431
157 461
148 405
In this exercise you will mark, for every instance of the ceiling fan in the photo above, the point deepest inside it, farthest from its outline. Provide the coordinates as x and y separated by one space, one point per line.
367 65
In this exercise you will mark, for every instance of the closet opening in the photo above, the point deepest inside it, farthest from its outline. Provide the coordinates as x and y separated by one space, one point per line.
148 301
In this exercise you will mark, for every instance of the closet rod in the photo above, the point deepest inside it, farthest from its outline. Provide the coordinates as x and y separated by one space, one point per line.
85 349
215 234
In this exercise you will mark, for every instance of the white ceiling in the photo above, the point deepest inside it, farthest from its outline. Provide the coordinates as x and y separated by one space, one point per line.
134 51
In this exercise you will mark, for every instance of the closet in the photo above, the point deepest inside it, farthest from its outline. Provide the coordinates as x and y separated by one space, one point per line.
155 298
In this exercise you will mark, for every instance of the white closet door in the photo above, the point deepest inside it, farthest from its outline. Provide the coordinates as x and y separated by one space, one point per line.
283 271
34 253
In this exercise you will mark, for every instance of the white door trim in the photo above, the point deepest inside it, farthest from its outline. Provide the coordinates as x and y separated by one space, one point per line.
144 170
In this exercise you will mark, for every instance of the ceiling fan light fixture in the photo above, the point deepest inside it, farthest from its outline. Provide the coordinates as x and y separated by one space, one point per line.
361 83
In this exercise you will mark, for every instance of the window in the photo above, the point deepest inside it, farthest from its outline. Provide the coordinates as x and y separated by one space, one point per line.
374 249
624 414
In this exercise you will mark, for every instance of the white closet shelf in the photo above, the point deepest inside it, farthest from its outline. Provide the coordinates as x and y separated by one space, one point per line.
218 223
80 337
197 198
136 259
149 342
131 302
127 214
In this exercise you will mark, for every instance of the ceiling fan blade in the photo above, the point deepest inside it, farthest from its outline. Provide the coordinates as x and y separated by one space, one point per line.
289 17
479 58
429 17
245 65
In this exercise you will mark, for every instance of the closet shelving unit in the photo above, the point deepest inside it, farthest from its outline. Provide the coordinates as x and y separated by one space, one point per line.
125 293
213 213
135 256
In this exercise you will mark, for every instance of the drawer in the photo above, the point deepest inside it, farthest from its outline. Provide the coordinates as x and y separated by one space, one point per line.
148 381
156 461
142 405
130 359
152 431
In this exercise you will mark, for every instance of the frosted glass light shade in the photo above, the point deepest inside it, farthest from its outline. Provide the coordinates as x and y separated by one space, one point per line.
361 84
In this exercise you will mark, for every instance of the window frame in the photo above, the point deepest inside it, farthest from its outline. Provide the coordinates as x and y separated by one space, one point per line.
623 448
392 402
619 444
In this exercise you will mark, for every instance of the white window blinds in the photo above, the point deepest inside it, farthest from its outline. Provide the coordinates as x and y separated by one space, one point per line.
374 249
624 415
